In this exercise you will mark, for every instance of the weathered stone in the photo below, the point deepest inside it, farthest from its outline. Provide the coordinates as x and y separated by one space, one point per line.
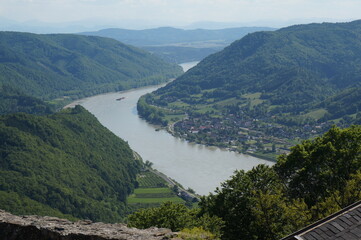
50 228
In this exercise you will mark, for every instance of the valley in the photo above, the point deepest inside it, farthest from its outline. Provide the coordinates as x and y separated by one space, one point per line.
249 139
178 45
192 165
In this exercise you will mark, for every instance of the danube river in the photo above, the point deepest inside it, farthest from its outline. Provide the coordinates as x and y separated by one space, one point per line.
192 165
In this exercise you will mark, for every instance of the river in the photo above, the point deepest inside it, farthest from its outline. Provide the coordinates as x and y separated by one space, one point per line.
192 165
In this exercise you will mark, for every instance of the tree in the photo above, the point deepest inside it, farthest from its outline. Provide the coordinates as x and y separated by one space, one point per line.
176 217
253 206
339 199
316 168
148 164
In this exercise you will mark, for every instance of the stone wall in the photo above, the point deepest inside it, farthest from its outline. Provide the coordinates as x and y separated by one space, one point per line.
50 228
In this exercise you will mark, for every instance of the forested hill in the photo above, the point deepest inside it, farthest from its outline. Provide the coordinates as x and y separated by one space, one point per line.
58 65
291 83
294 65
65 164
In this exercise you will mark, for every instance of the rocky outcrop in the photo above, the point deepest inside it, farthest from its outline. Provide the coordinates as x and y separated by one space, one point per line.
50 228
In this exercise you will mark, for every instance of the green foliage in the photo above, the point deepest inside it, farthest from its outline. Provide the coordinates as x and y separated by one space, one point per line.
19 204
153 195
318 178
253 206
12 101
175 217
339 199
148 179
57 65
67 162
196 233
150 113
317 167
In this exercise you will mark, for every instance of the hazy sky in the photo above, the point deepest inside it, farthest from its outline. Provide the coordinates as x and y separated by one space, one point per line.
180 12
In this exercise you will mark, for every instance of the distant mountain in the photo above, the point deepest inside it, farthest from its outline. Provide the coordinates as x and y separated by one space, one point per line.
72 66
66 164
299 76
169 35
174 44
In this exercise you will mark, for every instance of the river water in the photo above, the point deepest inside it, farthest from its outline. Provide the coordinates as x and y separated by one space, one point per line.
192 165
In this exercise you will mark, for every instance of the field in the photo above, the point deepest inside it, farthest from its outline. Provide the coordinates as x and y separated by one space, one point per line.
154 195
316 114
152 192
150 180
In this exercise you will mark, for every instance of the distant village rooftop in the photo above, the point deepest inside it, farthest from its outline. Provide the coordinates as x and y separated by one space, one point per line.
343 225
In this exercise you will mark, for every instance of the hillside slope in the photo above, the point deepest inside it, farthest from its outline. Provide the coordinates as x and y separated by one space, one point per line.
288 84
65 164
64 65
298 64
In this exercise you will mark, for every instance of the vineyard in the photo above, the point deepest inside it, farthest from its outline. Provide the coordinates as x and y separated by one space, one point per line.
154 195
152 192
150 180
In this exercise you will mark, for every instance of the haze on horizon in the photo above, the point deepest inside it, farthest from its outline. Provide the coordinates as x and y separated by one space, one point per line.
71 15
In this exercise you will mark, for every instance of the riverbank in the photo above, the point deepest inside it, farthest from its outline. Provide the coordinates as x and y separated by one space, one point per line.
194 166
268 157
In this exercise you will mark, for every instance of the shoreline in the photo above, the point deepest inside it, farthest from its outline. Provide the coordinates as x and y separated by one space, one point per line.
170 129
78 101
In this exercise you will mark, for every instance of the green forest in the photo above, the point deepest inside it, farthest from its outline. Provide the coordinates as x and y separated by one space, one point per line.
64 164
12 100
59 67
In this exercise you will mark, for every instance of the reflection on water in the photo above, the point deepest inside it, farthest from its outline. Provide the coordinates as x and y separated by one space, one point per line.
199 167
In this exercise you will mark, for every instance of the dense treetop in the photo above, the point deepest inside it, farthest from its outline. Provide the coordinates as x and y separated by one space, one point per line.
64 164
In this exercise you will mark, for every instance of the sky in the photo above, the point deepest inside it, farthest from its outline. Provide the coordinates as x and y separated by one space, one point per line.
151 13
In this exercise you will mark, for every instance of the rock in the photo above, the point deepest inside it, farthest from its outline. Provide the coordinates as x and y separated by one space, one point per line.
50 228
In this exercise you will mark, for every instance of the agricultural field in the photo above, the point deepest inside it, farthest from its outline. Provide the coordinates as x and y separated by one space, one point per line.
152 192
154 195
150 180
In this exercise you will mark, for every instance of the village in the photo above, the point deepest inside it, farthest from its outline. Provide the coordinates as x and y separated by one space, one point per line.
245 135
